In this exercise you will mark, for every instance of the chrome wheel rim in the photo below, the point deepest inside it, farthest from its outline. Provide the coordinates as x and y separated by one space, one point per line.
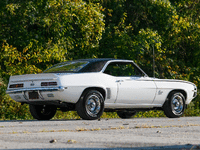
177 104
93 105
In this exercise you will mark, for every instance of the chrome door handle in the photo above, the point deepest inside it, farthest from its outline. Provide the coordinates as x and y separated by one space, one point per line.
120 81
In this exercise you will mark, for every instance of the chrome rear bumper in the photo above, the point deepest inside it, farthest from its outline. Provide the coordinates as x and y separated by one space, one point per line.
12 91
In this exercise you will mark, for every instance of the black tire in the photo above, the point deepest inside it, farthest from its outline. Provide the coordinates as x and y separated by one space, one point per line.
42 112
91 105
126 114
175 105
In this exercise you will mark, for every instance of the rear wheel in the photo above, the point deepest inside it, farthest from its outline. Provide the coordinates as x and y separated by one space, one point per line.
126 114
42 112
91 106
174 107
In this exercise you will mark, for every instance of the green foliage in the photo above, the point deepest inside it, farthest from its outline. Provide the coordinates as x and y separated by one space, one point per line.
10 109
13 62
50 31
116 42
149 114
145 43
66 115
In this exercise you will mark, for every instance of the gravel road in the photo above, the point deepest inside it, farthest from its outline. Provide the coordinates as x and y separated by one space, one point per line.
141 133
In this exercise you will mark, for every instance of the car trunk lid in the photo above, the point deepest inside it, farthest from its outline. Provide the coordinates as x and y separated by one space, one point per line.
33 77
33 81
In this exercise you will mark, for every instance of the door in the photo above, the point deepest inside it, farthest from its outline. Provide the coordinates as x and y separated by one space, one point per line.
134 87
135 90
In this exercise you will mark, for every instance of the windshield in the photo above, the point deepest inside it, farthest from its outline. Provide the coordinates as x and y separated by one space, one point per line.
70 66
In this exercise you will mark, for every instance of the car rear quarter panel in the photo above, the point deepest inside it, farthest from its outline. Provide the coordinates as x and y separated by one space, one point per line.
75 84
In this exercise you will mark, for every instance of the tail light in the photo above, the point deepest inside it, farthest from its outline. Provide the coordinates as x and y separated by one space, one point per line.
16 85
48 83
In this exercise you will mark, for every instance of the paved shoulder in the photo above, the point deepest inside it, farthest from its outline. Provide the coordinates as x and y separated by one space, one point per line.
107 133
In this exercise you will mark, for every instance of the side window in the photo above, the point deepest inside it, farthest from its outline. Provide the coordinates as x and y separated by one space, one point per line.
122 69
113 69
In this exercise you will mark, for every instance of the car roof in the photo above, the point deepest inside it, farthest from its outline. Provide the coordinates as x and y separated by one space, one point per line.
99 59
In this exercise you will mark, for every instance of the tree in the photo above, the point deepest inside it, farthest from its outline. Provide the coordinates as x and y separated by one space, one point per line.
45 32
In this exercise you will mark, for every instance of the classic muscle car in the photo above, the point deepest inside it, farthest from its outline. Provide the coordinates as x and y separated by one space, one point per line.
92 86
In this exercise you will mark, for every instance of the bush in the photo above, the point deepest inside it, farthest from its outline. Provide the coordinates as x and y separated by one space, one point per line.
11 110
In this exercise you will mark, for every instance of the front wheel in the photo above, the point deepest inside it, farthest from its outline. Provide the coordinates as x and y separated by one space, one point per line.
91 106
126 114
42 112
175 105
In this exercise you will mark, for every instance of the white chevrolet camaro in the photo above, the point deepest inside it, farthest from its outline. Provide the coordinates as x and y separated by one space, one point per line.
92 86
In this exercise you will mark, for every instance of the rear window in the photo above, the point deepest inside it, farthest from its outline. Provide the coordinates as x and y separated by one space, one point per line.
70 66
76 67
